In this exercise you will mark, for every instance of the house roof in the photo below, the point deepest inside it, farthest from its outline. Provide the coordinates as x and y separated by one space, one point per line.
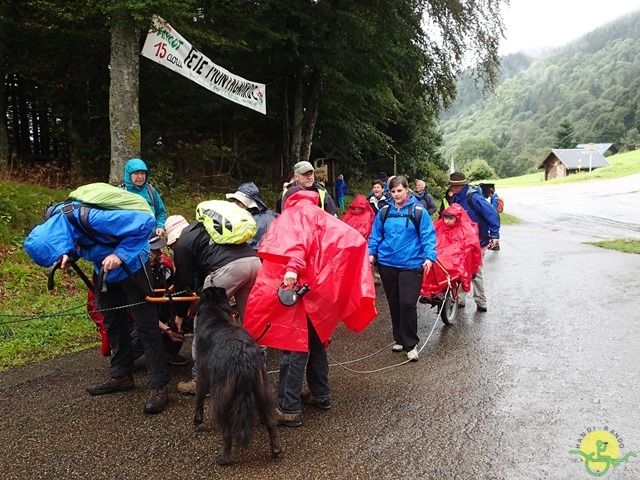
577 158
599 147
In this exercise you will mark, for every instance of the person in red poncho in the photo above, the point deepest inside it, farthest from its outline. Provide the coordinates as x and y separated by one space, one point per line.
360 216
306 245
458 252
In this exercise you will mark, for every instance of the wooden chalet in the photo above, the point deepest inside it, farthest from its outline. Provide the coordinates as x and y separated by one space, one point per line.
562 162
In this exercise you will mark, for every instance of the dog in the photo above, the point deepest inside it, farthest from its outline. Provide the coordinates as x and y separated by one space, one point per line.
232 371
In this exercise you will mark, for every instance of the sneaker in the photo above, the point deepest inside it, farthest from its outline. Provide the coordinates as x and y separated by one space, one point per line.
176 359
323 403
157 401
114 384
482 308
188 387
397 348
413 354
288 419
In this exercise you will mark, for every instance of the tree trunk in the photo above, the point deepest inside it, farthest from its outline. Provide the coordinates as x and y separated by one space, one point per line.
296 119
4 136
310 115
124 112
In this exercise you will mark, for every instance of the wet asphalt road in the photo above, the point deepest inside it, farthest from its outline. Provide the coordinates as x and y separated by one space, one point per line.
500 395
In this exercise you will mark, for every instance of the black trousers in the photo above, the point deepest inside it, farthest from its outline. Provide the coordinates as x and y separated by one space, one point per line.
132 291
402 288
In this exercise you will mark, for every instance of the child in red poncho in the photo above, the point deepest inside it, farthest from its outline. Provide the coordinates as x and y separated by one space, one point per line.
360 216
458 251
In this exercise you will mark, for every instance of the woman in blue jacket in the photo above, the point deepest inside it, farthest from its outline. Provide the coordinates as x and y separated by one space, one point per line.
403 242
136 180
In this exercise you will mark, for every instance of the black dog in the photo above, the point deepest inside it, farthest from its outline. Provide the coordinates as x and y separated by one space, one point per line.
230 368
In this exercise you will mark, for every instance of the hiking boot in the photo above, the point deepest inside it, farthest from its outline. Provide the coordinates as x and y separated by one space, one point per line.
413 354
114 384
288 419
323 403
188 387
397 348
482 308
157 401
176 359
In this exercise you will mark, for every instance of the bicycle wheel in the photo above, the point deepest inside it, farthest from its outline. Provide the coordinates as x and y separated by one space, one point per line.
449 309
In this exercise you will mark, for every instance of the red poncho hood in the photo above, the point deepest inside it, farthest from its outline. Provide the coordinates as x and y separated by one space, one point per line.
360 215
458 251
330 257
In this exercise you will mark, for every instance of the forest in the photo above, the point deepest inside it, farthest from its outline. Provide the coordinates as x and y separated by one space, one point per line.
587 91
367 78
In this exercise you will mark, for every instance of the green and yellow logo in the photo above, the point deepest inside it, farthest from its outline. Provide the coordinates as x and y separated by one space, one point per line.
600 449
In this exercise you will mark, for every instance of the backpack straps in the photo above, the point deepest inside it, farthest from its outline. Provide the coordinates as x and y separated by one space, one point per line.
470 193
83 225
414 215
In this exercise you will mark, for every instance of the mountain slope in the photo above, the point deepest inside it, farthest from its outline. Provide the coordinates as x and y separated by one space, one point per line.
593 83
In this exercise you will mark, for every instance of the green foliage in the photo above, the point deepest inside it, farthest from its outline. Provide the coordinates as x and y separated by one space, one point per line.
472 148
591 84
36 324
479 169
22 207
565 135
377 58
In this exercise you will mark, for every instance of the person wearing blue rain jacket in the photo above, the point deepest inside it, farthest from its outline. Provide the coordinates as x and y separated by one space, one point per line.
488 220
118 245
136 180
403 247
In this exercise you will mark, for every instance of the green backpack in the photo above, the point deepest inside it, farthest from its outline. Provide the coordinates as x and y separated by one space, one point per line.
102 196
225 222
108 197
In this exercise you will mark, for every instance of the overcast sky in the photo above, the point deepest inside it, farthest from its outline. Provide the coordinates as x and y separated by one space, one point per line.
551 23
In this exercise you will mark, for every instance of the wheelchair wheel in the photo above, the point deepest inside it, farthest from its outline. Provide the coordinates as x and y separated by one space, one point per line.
449 309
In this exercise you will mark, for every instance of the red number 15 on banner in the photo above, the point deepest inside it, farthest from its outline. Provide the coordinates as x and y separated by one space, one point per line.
161 49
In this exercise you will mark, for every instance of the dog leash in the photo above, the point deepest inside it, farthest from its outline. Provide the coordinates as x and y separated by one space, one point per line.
366 372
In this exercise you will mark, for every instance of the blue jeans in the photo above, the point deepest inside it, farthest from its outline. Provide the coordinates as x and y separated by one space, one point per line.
292 373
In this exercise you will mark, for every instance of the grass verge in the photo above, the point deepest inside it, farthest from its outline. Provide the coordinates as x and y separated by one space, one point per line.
626 245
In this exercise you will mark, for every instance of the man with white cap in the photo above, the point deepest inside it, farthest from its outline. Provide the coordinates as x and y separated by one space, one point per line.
303 173
248 197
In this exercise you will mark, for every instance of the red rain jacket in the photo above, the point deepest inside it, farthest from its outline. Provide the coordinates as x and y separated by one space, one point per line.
458 251
330 257
360 216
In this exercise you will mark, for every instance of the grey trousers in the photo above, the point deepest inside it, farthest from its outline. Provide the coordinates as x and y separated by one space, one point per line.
237 278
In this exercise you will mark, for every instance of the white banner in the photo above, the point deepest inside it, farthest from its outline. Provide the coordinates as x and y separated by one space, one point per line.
168 48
